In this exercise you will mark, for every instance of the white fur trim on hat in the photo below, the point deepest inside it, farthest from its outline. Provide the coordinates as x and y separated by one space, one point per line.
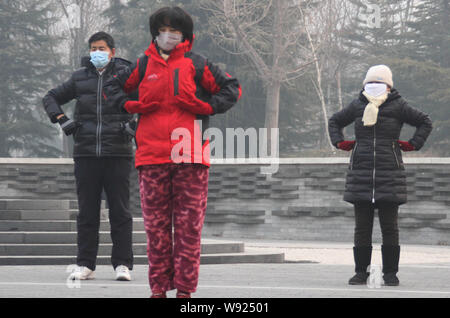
381 74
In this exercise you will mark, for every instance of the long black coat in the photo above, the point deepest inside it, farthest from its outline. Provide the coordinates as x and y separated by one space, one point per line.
376 172
100 116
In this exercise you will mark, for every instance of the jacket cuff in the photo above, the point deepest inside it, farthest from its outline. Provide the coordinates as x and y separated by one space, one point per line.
54 119
212 109
337 143
129 106
415 144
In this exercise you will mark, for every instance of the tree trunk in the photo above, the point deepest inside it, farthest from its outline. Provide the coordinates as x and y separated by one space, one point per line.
272 113
274 85
321 96
339 90
318 86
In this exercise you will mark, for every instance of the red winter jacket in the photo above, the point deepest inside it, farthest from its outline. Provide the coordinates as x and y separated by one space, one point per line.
176 98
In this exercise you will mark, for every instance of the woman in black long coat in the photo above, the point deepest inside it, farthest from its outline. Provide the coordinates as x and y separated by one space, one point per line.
376 177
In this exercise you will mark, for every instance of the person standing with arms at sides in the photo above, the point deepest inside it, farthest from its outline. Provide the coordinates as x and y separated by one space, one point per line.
103 154
178 90
376 177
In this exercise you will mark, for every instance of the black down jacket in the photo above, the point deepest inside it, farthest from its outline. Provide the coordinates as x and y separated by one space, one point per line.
376 172
100 116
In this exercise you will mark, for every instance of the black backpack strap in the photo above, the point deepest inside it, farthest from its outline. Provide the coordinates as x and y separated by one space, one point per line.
199 64
143 61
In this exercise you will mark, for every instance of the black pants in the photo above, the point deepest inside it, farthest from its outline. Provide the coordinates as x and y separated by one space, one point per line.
93 175
388 216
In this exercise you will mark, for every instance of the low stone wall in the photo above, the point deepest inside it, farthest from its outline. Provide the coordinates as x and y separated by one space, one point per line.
302 201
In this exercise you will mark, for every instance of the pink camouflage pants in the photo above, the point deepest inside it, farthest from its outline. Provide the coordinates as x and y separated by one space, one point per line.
173 196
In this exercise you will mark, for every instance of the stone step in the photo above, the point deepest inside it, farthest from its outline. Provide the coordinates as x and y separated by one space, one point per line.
38 215
56 225
38 204
207 247
58 237
59 249
232 258
239 258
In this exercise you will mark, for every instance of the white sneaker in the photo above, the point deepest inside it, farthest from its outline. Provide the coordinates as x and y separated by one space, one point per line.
123 273
81 273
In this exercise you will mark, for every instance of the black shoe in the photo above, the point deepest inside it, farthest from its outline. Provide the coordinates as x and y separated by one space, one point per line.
359 279
390 279
391 257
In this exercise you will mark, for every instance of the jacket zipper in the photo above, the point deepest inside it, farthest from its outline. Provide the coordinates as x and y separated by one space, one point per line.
374 160
99 116
395 154
353 155
176 82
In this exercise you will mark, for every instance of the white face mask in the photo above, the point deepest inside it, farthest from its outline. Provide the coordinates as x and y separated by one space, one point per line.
168 41
375 89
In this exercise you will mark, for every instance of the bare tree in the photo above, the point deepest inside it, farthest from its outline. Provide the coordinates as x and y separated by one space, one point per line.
322 27
271 35
82 19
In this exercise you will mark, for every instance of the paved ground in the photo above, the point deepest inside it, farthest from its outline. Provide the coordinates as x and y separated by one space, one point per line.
312 270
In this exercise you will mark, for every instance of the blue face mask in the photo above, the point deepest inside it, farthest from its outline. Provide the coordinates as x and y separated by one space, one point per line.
100 59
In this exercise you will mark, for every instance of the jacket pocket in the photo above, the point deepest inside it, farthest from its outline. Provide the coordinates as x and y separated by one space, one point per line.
77 131
395 155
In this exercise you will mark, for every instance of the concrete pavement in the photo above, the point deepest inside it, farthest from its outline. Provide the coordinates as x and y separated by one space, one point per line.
312 269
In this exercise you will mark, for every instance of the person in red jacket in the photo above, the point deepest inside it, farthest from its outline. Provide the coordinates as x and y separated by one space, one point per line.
178 91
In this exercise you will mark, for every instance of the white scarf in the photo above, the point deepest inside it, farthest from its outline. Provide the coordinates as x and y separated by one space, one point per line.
371 112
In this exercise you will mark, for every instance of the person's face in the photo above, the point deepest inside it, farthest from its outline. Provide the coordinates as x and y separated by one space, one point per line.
102 46
170 29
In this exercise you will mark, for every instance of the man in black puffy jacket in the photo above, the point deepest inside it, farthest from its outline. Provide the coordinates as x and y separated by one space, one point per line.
103 154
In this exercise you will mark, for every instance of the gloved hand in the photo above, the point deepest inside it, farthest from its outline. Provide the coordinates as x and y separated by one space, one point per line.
129 128
191 103
346 145
406 146
68 125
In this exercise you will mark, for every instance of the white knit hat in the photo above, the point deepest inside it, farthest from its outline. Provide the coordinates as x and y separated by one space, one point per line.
381 74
